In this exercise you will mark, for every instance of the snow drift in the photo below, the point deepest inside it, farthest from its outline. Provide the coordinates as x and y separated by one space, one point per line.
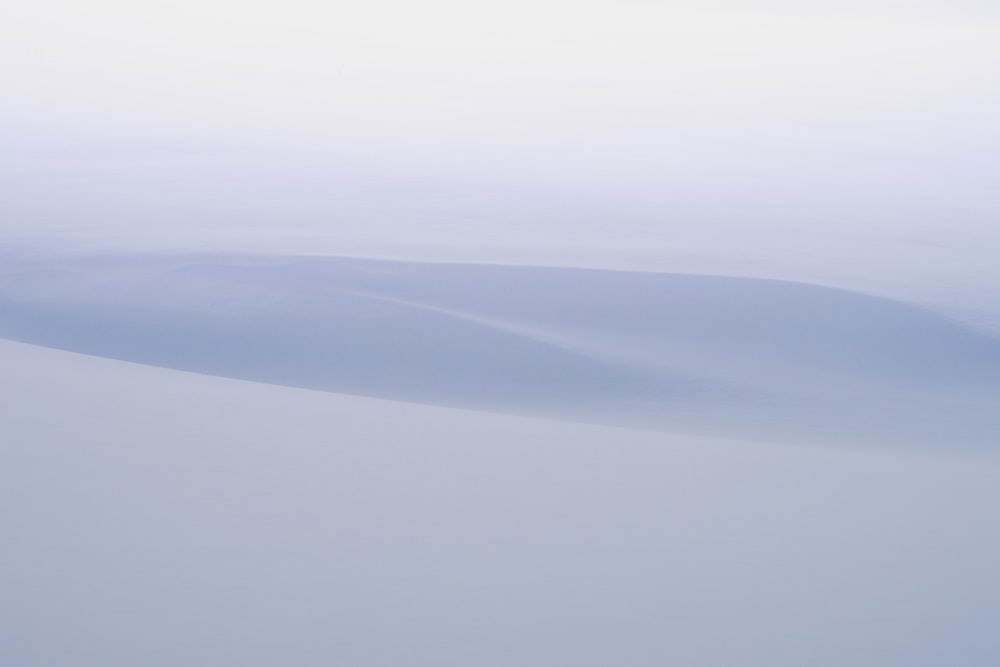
709 354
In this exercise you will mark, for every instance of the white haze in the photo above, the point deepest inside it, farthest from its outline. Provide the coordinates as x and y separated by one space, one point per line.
850 145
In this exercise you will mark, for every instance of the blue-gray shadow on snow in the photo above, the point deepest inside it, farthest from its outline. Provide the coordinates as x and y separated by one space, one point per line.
706 353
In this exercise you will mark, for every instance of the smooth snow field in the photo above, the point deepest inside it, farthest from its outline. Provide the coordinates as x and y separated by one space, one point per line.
162 518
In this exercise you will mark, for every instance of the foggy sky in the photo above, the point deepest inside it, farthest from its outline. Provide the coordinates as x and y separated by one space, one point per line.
849 145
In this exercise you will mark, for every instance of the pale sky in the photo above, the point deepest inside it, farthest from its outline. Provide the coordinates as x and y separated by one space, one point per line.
847 143
328 68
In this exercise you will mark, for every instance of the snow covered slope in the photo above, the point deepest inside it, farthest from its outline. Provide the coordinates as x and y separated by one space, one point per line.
165 519
714 355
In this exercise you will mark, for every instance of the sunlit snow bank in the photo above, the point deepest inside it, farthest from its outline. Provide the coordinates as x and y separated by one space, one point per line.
166 519
707 354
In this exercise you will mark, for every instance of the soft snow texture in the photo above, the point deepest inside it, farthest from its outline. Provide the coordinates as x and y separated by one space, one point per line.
159 518
708 354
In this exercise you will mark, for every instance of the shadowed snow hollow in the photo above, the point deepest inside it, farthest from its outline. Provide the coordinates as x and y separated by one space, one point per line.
704 353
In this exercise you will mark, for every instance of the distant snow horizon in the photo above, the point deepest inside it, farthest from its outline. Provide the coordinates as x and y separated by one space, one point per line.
848 144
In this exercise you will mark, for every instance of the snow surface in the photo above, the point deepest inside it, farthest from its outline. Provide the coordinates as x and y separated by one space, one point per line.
525 333
162 518
717 355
